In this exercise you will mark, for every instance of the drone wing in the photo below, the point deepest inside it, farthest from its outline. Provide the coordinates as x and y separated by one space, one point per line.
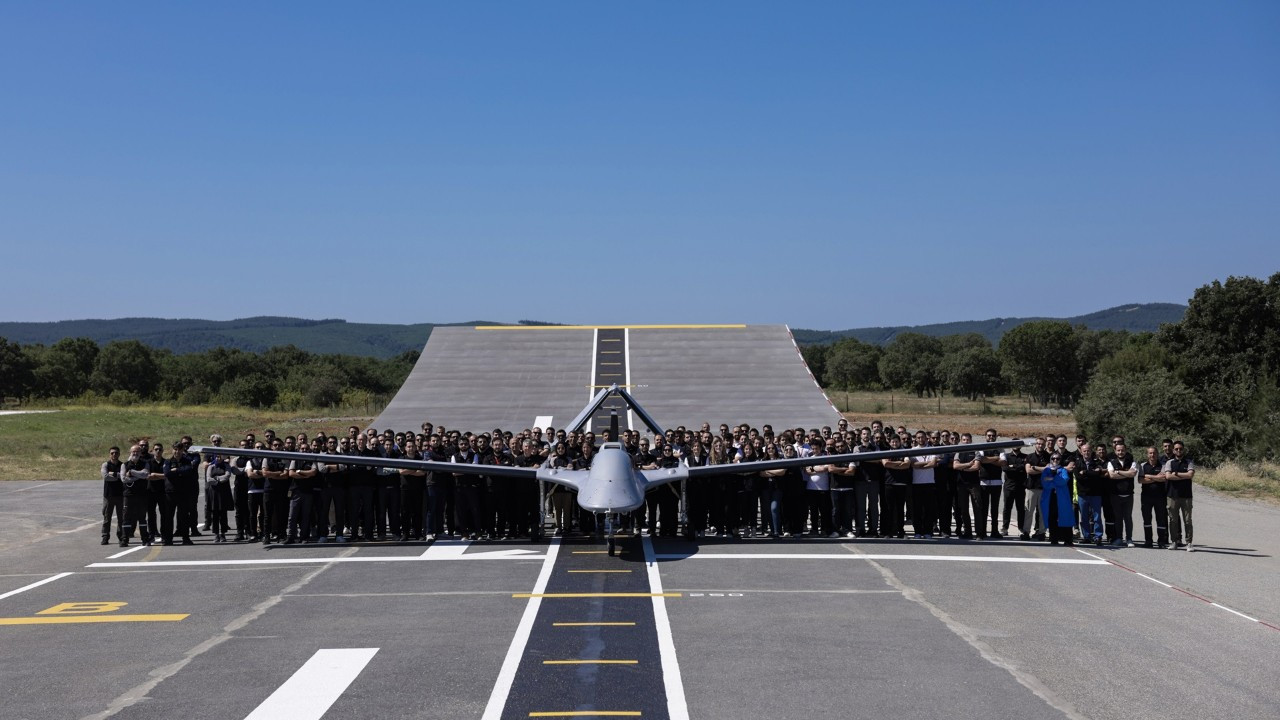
399 463
782 463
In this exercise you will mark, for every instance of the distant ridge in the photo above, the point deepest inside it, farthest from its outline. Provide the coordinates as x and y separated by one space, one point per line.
258 334
1146 317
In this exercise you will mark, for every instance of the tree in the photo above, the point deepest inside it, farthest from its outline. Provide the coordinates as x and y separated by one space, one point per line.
126 365
1039 358
16 374
1145 407
815 356
911 362
64 369
853 365
971 372
252 390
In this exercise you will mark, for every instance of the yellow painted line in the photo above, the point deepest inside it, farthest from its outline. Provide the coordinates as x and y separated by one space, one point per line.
609 375
76 619
607 327
590 662
589 714
593 624
610 340
594 595
610 352
599 571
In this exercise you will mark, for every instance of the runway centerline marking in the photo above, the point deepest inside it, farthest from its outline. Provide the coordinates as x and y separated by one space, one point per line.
586 713
590 662
598 571
595 595
313 689
36 584
593 624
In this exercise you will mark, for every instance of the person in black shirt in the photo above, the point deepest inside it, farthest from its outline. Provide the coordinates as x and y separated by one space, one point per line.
1036 463
182 487
1090 475
302 476
135 475
1179 471
896 488
1015 488
1121 471
968 490
1155 495
112 498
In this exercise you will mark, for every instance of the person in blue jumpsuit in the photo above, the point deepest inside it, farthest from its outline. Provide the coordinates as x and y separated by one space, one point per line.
1055 503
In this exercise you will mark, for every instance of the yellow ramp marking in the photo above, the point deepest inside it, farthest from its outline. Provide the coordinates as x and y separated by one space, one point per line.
82 608
599 571
589 714
607 327
590 662
76 619
594 595
593 624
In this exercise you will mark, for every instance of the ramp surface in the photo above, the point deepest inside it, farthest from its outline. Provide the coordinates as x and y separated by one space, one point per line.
514 377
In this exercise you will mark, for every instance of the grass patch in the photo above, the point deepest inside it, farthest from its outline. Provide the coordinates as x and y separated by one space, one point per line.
1243 479
72 443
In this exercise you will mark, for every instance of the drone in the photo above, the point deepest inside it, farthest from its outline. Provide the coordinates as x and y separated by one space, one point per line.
613 485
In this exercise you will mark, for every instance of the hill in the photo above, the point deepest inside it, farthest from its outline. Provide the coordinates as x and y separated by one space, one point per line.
1133 318
258 334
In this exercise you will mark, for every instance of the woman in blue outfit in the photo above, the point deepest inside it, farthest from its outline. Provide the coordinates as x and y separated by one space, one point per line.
1055 503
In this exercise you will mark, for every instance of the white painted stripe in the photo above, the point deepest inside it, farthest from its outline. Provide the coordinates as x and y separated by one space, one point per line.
11 593
86 526
591 370
31 487
1158 582
315 686
507 675
828 556
122 553
626 353
1095 557
512 554
1234 612
677 708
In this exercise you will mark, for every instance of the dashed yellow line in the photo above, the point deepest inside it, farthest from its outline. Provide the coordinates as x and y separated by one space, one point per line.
594 624
590 662
599 571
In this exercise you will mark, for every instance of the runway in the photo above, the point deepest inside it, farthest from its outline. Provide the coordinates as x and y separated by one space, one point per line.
669 629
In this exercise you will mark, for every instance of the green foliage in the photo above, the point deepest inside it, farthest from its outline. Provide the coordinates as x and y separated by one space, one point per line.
125 365
16 374
1144 407
1262 422
972 372
123 398
853 365
195 394
815 356
911 362
1140 354
254 390
1040 359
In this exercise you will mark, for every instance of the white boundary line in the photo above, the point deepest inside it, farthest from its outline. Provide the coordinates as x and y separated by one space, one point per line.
495 555
677 707
25 588
311 691
122 553
830 556
507 676
1184 592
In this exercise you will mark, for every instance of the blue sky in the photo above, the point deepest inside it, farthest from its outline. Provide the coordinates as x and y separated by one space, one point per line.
825 165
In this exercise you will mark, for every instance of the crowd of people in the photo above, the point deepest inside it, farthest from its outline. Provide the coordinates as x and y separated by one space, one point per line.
1085 494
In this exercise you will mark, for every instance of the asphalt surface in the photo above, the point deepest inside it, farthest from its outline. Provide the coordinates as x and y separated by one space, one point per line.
762 629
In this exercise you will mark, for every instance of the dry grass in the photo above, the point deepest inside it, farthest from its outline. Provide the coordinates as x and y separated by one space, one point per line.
72 443
1246 479
1010 416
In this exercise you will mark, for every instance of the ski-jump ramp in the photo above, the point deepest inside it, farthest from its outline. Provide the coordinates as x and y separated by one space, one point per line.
513 377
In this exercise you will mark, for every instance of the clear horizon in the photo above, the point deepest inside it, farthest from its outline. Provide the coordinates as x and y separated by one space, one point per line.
828 165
